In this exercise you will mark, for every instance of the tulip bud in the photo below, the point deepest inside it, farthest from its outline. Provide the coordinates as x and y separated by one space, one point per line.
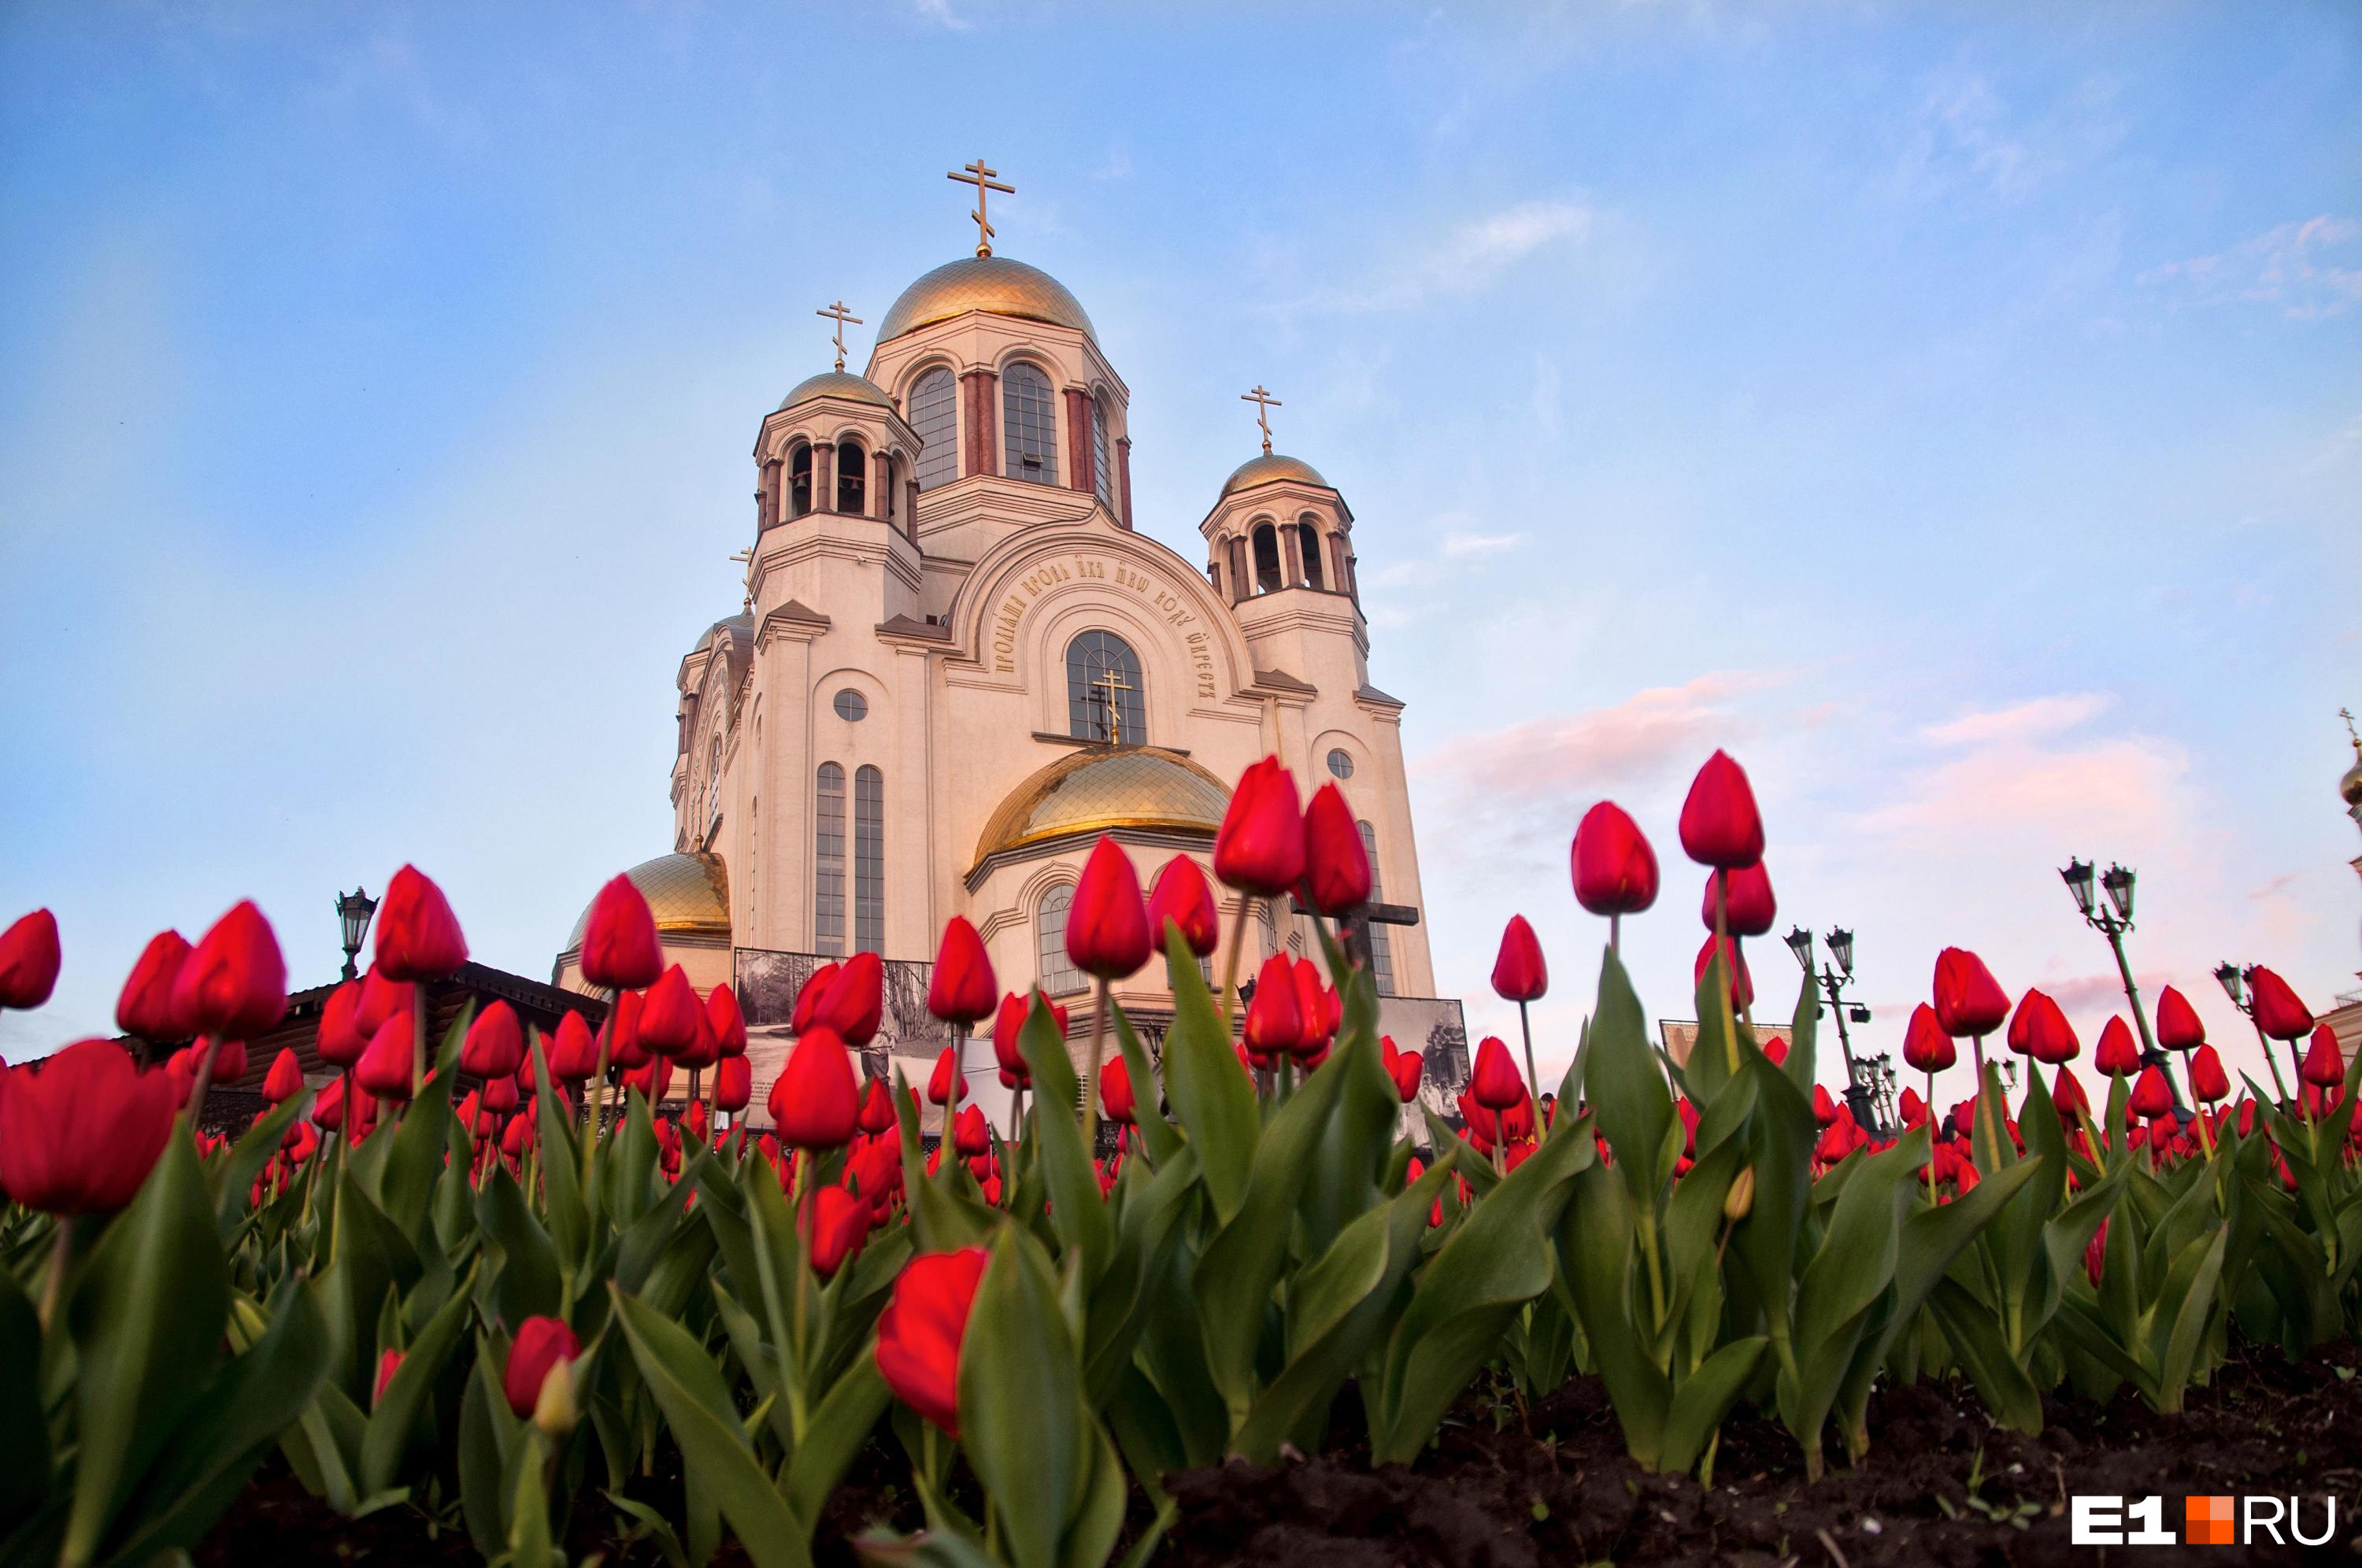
2152 1097
1275 1020
620 947
2278 1011
2207 1079
1926 1045
2323 1065
1106 922
728 1022
1260 847
734 1084
2179 1027
1739 1200
1748 906
573 1052
1969 1000
284 1081
384 1067
418 937
807 998
1719 824
970 1137
495 1043
962 988
234 983
947 1085
1520 975
670 1013
1115 1091
553 1407
1734 962
919 1332
1614 870
1182 899
28 961
2117 1052
1336 862
1495 1083
814 1102
145 1008
877 1113
852 1004
81 1128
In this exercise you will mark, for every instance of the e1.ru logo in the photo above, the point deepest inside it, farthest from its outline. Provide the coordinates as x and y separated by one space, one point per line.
2207 1521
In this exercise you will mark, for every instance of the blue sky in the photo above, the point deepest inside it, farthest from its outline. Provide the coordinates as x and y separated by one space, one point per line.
1956 411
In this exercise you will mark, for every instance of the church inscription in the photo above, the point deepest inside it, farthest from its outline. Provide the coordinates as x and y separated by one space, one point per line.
1155 595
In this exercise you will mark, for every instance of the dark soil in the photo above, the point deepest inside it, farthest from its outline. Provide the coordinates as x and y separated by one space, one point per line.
1557 1488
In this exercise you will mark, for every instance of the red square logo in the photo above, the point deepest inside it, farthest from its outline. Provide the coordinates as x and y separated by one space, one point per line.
2209 1523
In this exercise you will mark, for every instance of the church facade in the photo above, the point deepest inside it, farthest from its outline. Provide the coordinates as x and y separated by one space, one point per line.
961 660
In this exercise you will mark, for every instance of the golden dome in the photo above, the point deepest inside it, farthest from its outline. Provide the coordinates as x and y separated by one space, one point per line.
992 283
2350 787
837 383
1270 469
688 894
1135 787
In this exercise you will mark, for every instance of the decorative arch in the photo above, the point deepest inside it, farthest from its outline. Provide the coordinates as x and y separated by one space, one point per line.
1053 970
1107 693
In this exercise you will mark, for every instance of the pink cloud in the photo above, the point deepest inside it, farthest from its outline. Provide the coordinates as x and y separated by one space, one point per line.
1638 741
2042 716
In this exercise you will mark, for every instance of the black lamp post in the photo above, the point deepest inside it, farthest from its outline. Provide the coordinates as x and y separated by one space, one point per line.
1862 1093
354 911
2112 921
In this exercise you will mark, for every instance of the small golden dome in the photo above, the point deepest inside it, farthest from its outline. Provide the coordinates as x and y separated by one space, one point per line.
2350 787
688 895
992 283
837 383
1270 469
1132 787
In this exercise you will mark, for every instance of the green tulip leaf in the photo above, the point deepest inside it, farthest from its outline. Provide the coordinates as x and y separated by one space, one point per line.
1021 1401
1208 1090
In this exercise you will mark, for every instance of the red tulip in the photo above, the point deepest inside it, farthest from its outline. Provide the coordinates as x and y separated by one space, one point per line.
341 1042
1260 847
652 1078
1274 1020
1824 1106
1926 1046
28 961
2117 1052
1115 1092
1406 1067
918 1333
81 1128
387 1365
1748 906
2152 1097
808 996
669 1014
381 999
495 1043
502 1094
284 1081
1336 863
1107 923
543 1346
1007 1024
573 1052
1182 898
734 1083
1720 825
2041 1029
962 988
1519 973
229 1061
2278 1013
145 1008
2179 1027
729 1023
2207 1079
2066 1096
970 1137
1614 870
834 1224
1969 1000
1742 984
877 1113
1495 1083
620 950
947 1085
704 1048
234 983
854 1002
384 1067
815 1102
517 1137
418 937
1913 1108
2324 1065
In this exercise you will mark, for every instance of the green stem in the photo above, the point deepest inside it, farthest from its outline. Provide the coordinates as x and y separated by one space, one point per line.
1091 1070
1722 954
418 1040
1231 961
1533 1078
61 1256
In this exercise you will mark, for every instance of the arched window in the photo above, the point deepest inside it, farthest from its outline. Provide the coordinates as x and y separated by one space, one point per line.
1307 539
1269 576
799 480
934 419
868 861
1382 953
828 863
713 783
1028 414
1102 471
851 479
1105 698
1059 974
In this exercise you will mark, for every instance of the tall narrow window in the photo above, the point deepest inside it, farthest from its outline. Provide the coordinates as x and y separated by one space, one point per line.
1269 576
1105 698
1102 471
851 479
1059 974
754 861
1308 538
799 482
1031 416
934 419
1382 953
868 861
713 785
828 863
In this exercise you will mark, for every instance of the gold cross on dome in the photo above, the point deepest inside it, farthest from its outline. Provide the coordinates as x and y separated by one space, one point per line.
1112 681
977 175
842 315
2348 714
1265 402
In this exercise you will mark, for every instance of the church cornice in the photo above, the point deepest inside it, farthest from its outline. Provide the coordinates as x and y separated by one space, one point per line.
1371 697
794 620
865 541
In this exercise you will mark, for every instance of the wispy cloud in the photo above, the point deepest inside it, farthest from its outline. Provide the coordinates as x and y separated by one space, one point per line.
2042 716
2289 266
1964 134
940 12
1636 741
1467 546
1468 259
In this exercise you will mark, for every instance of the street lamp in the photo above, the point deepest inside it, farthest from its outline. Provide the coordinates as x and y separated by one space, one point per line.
2112 922
354 911
2234 980
1862 1093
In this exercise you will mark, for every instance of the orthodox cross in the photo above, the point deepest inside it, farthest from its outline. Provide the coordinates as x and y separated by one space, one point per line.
1265 402
747 556
842 315
1112 681
2348 714
977 175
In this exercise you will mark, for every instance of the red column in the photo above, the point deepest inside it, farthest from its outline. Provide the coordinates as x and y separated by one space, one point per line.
775 503
881 489
823 476
980 391
1339 579
1123 478
1079 441
910 508
1241 584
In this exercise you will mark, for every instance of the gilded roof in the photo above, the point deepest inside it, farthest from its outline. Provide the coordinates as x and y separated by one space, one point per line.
837 383
1100 789
992 283
1270 469
686 893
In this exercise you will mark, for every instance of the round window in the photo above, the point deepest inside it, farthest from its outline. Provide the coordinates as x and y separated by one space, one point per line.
852 706
1341 763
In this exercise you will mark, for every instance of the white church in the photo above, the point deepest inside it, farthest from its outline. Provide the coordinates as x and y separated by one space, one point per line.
961 661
